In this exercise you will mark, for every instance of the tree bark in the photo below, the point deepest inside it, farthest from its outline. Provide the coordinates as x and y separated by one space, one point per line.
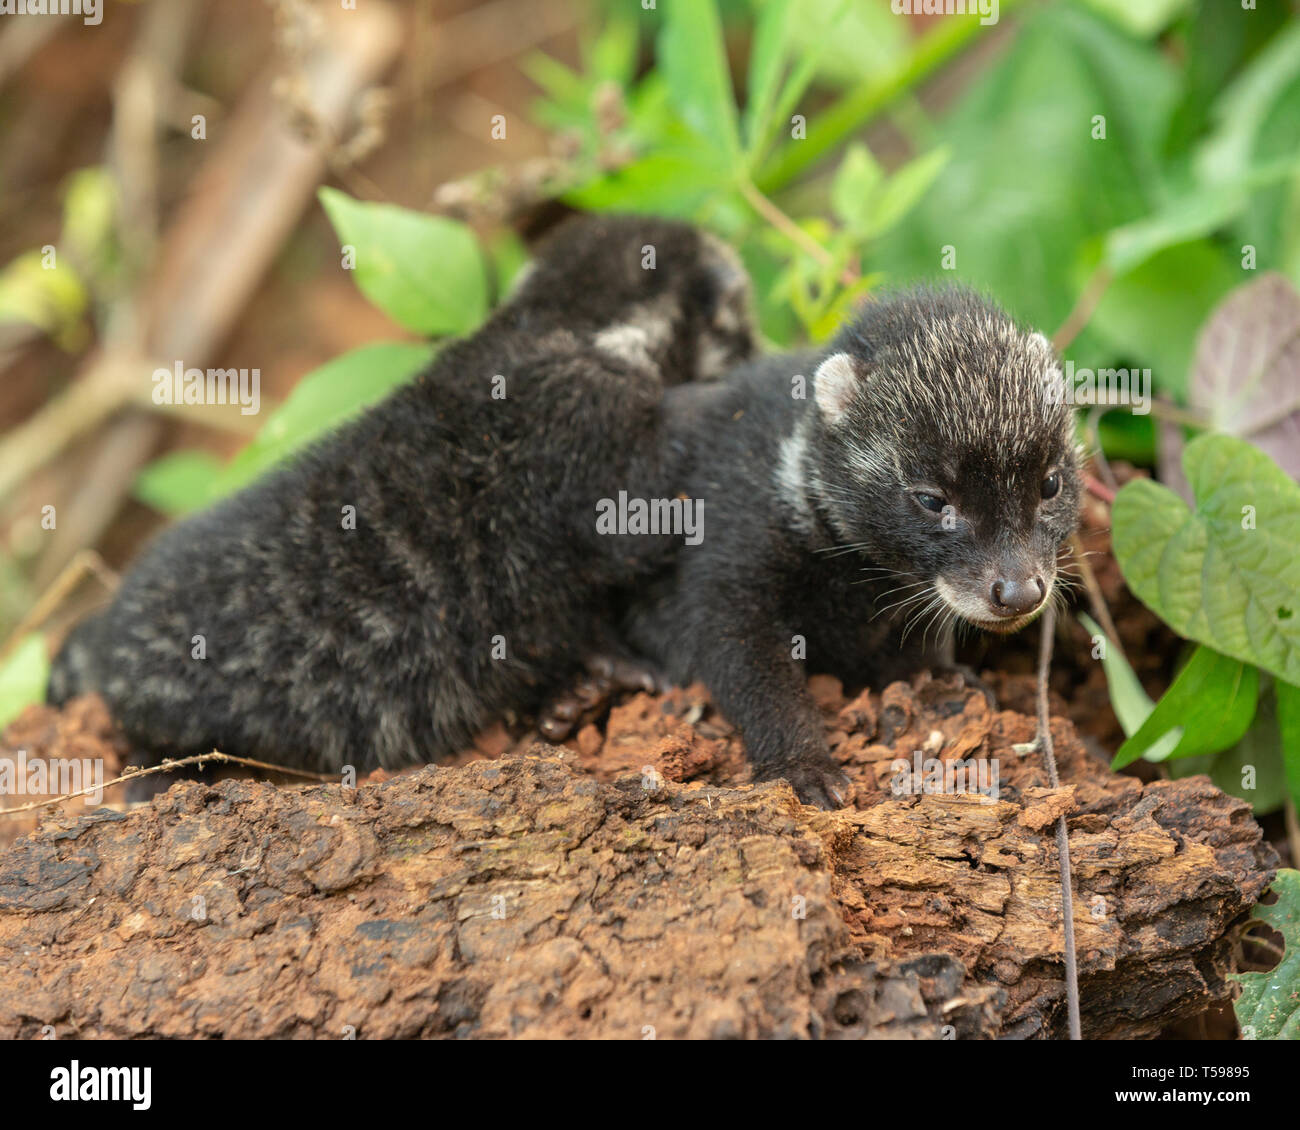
526 897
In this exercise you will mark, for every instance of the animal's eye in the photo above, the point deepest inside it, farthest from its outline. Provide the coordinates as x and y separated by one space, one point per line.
1052 484
930 501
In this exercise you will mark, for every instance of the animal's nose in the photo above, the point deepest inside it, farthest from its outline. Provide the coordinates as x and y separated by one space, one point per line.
1015 598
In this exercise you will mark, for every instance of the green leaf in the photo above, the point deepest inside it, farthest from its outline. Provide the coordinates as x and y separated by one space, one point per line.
819 28
1251 769
1208 708
766 59
867 202
850 40
53 299
1234 589
1154 313
322 400
669 182
1028 188
905 188
1269 1005
1142 18
89 211
855 185
1257 121
1187 217
611 55
1246 107
1190 215
833 125
509 256
425 272
1123 435
693 58
1131 703
1219 43
178 483
23 677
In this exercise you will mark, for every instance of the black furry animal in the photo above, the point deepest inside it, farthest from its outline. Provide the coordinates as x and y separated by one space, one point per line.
929 474
435 562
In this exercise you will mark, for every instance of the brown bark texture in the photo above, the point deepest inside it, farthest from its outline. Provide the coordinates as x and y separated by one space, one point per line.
631 886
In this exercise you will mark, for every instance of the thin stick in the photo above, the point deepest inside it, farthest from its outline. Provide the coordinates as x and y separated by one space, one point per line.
1081 315
792 231
1096 598
86 563
1062 836
166 767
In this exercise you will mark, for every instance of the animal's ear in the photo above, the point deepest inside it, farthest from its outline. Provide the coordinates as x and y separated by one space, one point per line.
1044 346
834 384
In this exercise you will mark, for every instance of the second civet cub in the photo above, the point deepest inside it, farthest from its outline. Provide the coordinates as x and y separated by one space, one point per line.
435 562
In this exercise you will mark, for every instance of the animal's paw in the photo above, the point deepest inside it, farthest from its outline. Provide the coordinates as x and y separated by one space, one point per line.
972 680
589 696
816 780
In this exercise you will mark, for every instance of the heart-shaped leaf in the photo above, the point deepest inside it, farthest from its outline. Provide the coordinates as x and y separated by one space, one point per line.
1227 573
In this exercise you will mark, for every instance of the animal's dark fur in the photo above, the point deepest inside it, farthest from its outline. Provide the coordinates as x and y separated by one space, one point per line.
474 529
814 525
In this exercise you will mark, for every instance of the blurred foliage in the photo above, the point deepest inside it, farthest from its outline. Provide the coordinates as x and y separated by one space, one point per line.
50 288
425 272
23 675
323 399
1219 573
1145 149
1152 141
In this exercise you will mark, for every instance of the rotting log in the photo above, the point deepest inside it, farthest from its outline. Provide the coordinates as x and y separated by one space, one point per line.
525 897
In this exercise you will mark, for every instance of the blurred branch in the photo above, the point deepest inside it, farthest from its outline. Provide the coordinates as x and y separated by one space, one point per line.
489 33
248 197
84 564
23 38
1096 286
101 389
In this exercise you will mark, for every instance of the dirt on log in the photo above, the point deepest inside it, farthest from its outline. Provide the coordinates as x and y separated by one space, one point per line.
624 887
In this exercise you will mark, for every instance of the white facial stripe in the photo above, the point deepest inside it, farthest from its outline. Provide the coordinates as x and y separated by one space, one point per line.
966 606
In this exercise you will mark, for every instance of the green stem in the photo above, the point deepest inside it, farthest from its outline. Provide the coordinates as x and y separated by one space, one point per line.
856 108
